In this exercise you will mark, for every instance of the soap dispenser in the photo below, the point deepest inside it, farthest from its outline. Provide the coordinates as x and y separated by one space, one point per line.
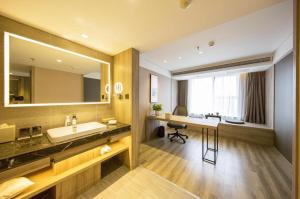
68 121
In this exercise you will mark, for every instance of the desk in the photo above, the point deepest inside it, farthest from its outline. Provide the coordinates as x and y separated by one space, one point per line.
203 124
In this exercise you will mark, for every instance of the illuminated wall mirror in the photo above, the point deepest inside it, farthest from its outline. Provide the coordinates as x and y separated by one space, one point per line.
39 74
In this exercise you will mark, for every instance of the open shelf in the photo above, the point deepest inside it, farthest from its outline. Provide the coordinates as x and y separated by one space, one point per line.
48 178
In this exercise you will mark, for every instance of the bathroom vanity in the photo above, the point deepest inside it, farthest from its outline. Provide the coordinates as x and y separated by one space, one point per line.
63 169
45 77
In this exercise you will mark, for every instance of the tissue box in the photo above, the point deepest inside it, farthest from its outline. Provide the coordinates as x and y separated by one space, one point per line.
7 133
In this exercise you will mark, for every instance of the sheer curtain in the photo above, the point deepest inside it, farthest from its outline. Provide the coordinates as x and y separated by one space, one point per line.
200 95
223 94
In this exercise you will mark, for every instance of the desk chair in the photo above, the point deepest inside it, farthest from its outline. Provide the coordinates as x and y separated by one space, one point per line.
179 110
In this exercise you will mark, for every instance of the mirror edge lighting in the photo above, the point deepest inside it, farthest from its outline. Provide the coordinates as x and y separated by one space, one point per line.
7 35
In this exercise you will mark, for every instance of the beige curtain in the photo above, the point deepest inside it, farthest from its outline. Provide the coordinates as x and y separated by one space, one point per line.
182 93
255 98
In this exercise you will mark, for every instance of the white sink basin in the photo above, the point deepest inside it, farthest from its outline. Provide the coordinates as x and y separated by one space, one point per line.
66 133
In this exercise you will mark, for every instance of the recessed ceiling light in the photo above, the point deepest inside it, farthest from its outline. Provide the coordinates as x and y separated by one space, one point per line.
179 57
84 36
200 52
59 60
185 3
165 61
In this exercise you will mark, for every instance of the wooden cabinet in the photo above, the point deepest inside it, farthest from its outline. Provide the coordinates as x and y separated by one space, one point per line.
72 176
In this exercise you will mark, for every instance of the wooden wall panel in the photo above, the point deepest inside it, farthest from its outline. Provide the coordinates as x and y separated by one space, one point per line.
126 71
75 185
54 116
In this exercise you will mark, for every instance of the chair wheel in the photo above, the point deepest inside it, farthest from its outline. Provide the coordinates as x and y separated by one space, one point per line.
187 137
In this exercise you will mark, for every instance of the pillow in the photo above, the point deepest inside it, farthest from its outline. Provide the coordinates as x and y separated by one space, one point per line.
234 121
14 187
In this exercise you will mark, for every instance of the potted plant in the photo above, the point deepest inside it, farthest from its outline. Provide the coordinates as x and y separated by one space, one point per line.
157 108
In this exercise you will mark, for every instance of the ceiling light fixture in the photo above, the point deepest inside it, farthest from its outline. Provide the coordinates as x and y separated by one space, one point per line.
179 57
59 60
211 43
84 36
165 61
184 4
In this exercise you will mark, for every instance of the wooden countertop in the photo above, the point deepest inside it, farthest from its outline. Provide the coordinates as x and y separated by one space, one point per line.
17 148
197 122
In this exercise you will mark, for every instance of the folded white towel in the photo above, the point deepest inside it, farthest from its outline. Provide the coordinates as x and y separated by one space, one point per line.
14 187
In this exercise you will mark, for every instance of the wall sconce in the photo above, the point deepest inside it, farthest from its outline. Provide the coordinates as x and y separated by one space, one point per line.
107 89
119 89
107 92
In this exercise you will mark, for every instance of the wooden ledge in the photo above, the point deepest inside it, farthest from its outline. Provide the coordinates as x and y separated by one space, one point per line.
46 178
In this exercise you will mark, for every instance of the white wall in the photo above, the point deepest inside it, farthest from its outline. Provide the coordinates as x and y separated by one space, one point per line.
167 90
284 49
270 97
174 95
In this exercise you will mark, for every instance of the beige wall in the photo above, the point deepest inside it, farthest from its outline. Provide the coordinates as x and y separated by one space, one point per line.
166 97
270 97
52 116
174 94
53 86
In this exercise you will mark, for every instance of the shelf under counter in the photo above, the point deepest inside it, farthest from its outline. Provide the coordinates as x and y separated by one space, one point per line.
50 177
28 163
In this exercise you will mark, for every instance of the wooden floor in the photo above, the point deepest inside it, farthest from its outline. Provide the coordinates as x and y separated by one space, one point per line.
243 170
112 171
145 184
138 183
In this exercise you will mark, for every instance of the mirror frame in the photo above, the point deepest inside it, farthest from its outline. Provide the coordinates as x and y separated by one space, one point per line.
7 35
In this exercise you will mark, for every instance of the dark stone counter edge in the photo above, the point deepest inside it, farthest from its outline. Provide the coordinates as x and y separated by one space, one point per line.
46 148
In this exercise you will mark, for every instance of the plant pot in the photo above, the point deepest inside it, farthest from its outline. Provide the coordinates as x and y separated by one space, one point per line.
157 113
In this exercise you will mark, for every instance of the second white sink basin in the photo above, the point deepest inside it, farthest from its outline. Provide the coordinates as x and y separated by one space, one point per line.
66 133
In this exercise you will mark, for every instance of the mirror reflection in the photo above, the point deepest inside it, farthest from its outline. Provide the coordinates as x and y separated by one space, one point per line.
41 74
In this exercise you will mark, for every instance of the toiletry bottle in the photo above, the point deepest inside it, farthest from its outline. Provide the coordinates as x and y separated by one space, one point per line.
74 122
68 121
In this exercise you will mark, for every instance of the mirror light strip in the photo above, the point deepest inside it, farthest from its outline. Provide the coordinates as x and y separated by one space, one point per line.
6 72
6 69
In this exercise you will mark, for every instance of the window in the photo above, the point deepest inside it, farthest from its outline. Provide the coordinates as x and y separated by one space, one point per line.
216 94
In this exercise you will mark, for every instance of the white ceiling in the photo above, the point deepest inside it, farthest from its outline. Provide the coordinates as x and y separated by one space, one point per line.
115 25
258 33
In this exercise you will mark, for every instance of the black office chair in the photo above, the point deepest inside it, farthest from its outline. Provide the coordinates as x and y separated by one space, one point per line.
179 110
